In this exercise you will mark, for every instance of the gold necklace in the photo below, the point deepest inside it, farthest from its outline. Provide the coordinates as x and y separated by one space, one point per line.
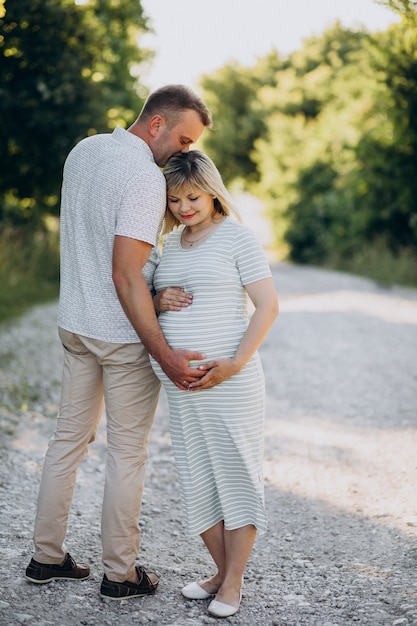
191 243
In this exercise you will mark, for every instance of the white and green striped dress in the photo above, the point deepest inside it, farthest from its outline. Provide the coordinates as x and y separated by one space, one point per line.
217 434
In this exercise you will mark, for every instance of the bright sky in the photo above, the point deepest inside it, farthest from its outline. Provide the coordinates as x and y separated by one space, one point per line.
194 37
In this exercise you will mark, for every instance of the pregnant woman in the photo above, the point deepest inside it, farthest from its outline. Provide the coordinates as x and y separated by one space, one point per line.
216 423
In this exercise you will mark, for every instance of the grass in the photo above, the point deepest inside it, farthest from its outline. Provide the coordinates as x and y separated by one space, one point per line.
25 291
378 263
29 271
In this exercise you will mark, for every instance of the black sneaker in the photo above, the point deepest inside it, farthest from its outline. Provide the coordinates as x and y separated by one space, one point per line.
148 582
68 570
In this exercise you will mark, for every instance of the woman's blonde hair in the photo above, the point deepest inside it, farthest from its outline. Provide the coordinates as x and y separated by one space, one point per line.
195 170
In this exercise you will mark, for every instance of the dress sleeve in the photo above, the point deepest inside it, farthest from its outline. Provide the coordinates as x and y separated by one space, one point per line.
150 266
250 257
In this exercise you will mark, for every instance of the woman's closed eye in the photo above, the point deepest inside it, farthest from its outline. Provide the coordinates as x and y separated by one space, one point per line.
175 200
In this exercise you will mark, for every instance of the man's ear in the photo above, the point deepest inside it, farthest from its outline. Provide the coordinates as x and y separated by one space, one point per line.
155 125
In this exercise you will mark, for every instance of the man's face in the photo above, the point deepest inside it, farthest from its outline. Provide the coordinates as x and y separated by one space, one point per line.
177 139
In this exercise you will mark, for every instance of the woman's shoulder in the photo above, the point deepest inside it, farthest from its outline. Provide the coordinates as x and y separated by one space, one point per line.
238 229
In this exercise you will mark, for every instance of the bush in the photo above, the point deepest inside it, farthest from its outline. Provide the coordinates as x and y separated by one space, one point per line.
29 269
378 262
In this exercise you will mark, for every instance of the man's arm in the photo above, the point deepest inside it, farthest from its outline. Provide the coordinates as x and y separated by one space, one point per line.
129 257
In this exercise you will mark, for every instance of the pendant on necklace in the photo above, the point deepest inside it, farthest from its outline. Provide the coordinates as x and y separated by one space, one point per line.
203 236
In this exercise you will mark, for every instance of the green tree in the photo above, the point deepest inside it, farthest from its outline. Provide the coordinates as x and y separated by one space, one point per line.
65 71
231 95
388 154
315 114
332 150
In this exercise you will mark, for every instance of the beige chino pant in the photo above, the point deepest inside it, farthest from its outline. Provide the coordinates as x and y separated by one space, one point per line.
119 377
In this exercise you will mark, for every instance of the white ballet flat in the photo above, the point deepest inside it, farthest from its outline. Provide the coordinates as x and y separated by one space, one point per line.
193 591
220 609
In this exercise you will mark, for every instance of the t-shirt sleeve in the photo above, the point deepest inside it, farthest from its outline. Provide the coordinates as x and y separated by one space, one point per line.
250 257
142 207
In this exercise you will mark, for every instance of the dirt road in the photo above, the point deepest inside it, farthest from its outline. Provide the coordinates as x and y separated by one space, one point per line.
340 471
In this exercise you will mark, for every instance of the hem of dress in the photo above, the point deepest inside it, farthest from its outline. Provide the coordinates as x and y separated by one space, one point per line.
260 529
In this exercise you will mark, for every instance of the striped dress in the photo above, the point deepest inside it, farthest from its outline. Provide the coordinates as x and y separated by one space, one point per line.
217 434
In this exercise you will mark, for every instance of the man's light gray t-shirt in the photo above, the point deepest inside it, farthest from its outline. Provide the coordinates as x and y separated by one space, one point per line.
111 186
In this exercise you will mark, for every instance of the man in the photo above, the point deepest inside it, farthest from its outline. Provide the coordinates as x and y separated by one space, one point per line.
113 202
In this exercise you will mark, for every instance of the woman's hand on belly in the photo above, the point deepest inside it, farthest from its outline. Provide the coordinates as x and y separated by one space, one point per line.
216 372
171 299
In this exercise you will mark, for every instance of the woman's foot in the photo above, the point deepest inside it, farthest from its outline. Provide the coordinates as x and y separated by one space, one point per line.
226 602
201 590
221 609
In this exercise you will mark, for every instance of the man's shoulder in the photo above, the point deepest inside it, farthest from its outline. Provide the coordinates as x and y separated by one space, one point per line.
89 145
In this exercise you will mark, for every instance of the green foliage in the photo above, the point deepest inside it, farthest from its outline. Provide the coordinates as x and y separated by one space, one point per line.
403 7
29 269
393 158
378 262
238 122
65 71
335 158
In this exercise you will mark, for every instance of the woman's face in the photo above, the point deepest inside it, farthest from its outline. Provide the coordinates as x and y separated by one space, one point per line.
191 206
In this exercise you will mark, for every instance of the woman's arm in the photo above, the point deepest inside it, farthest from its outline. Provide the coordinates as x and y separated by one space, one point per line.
265 300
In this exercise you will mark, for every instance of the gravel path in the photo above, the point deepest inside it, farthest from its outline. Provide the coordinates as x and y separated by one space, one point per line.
340 466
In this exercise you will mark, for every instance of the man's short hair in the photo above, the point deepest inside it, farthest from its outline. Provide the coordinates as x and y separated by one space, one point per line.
171 101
